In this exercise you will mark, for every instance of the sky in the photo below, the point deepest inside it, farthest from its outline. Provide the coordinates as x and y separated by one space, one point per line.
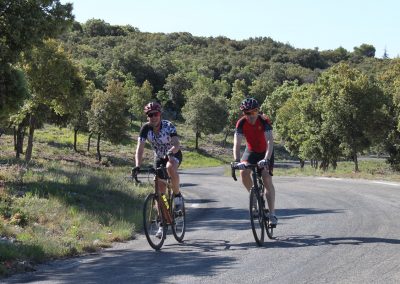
322 24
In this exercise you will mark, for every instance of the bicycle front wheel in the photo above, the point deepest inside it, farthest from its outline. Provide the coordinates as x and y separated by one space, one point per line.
257 216
152 221
268 228
179 221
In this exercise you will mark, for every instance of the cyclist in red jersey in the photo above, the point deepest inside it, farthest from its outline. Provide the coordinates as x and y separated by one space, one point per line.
257 130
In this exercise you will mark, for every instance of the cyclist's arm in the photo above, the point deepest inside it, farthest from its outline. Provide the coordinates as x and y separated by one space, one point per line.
270 144
237 141
176 145
139 152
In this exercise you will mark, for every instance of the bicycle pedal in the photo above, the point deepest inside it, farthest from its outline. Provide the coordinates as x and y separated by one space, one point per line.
178 213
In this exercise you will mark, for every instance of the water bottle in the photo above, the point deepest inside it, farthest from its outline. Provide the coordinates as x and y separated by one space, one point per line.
164 198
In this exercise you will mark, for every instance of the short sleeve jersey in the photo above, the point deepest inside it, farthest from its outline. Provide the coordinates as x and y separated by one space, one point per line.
160 142
254 134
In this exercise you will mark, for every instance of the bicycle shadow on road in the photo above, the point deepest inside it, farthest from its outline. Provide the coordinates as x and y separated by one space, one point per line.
139 266
209 245
291 213
316 240
216 218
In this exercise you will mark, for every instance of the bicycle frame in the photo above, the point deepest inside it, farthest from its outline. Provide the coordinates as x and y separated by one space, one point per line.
257 191
163 205
159 211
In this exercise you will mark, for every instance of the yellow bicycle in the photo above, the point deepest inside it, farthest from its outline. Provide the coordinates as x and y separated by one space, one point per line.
159 210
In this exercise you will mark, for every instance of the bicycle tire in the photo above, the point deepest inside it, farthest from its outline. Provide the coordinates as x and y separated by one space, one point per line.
257 217
178 221
151 222
268 228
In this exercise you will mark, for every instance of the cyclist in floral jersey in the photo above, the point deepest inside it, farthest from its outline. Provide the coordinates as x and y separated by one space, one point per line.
163 138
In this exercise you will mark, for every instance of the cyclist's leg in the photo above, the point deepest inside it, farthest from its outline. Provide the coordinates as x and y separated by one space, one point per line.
269 190
246 179
172 169
269 186
246 174
161 184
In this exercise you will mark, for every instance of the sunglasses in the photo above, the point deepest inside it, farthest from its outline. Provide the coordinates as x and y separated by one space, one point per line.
251 112
153 114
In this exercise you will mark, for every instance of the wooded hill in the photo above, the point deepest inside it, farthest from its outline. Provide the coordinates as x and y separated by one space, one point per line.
95 77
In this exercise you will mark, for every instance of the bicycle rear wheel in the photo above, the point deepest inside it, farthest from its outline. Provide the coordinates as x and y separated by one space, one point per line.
257 216
152 220
179 221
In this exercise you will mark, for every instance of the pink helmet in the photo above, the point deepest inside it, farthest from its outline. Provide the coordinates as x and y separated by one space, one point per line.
152 106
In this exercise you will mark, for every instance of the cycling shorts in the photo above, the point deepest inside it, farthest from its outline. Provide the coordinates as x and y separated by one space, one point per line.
254 157
163 161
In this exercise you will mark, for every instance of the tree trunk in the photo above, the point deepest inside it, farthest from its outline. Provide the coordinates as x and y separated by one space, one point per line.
98 147
356 169
324 165
197 140
32 122
334 164
75 138
226 137
15 138
19 143
88 144
301 163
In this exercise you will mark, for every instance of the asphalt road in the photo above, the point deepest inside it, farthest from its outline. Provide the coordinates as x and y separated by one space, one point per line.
329 231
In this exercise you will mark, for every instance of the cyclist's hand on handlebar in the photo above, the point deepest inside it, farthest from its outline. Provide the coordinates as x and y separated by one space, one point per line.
241 166
169 155
263 163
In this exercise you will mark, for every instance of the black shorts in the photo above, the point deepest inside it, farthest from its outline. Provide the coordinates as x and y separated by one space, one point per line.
254 157
160 161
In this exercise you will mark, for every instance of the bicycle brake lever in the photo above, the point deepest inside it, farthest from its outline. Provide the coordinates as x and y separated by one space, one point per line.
136 178
233 173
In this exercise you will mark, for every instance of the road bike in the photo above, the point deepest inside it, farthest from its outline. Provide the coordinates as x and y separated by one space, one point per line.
259 215
159 209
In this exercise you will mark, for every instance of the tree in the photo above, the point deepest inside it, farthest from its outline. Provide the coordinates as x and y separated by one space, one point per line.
297 122
78 120
390 83
278 98
175 86
107 115
205 113
54 82
238 95
336 55
205 110
365 50
24 24
353 107
13 89
138 98
96 27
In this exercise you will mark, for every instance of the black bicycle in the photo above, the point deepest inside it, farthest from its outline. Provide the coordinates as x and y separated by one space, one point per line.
159 210
259 215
